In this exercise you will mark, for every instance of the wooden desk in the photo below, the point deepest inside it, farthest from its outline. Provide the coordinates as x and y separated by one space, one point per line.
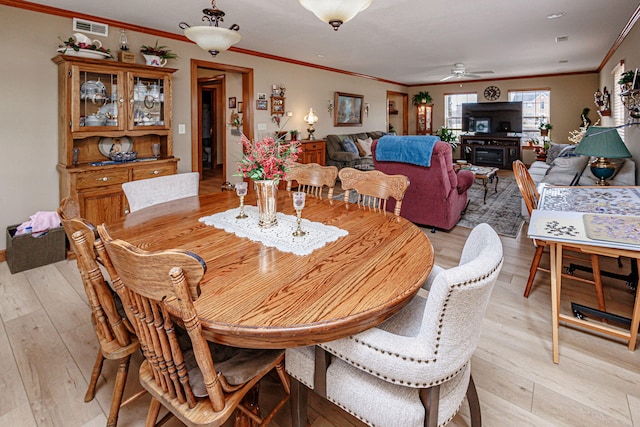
259 297
560 221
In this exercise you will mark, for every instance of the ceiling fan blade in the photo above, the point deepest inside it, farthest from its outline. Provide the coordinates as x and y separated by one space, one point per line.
471 76
447 78
483 72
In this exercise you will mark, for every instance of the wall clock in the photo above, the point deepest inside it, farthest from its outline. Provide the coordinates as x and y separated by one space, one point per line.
492 93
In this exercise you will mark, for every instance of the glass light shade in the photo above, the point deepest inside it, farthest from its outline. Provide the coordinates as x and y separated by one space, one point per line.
212 38
335 12
602 142
311 118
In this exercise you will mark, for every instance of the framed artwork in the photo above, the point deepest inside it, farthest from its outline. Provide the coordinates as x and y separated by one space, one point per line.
262 96
239 107
348 109
261 104
232 102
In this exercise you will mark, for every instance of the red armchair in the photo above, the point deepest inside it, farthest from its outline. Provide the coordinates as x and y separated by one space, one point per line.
437 194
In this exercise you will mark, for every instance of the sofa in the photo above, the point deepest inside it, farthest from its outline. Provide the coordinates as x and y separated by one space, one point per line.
563 167
340 157
437 195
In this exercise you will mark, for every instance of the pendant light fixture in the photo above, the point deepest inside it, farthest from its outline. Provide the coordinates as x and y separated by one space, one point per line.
211 37
335 12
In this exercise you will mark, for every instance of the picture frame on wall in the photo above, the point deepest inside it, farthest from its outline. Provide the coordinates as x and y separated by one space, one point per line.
239 107
262 96
232 102
349 109
261 104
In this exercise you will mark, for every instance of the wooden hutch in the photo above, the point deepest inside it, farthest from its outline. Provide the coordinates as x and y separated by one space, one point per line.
108 106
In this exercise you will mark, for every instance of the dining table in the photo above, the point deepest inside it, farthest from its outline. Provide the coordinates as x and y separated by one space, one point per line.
255 295
593 220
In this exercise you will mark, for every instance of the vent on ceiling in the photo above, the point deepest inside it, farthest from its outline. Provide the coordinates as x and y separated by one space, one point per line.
562 39
90 27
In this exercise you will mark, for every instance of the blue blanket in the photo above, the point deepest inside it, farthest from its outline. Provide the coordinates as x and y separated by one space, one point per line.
416 150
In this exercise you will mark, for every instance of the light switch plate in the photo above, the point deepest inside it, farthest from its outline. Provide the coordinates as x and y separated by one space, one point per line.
182 129
262 126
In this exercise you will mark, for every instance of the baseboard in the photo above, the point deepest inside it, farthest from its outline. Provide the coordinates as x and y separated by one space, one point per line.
3 255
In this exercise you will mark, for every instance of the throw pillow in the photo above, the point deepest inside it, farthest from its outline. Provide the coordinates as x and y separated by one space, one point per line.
564 169
349 146
554 151
364 146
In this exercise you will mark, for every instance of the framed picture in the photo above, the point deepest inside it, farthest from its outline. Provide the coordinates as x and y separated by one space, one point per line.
239 107
261 104
232 102
262 96
348 109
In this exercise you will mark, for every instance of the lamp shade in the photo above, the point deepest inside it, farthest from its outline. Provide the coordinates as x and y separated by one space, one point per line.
335 12
212 38
602 142
311 118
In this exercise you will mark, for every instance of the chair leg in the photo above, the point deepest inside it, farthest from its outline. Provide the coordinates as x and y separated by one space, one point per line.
430 398
95 374
474 404
534 268
597 279
118 391
152 415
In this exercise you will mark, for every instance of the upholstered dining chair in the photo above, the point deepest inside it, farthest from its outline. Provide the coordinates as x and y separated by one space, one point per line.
531 198
415 368
199 382
148 192
116 338
312 178
374 188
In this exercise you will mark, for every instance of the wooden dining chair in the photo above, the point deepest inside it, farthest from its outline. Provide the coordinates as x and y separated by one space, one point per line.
202 383
115 334
374 188
149 192
531 198
312 178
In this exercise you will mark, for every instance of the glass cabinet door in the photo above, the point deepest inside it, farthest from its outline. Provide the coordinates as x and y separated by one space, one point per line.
96 101
147 104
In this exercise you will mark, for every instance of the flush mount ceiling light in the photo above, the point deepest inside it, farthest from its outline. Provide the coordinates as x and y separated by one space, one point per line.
556 15
211 37
335 12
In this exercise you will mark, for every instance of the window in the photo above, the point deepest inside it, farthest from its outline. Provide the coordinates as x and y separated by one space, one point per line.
453 109
535 106
618 107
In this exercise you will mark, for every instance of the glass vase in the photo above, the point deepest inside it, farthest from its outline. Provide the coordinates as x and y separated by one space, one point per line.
267 193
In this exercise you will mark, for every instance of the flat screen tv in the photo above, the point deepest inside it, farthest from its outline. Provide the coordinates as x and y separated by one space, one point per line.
492 117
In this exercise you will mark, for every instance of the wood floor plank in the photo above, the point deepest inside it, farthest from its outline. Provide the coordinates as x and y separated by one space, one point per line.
54 385
16 295
634 408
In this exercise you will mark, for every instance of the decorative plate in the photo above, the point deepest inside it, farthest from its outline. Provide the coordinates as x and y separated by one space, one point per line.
107 145
83 53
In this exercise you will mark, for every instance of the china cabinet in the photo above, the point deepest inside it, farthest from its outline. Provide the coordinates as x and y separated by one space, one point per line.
424 124
107 107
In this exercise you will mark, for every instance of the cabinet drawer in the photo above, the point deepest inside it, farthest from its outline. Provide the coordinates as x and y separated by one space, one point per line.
312 146
101 178
152 171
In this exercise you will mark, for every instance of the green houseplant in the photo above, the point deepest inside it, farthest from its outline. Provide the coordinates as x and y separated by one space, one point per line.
421 97
626 81
447 135
159 51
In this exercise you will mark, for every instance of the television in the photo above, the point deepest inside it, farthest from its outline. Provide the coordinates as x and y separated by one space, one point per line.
492 117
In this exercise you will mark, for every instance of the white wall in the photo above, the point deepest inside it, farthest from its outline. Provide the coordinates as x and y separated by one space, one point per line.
29 109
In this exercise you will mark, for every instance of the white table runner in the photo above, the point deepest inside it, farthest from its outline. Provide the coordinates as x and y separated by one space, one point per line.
278 236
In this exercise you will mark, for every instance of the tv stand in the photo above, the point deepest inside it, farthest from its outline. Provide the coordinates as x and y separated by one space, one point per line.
490 150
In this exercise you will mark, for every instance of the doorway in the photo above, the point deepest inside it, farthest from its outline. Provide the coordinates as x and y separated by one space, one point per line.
208 85
210 130
397 112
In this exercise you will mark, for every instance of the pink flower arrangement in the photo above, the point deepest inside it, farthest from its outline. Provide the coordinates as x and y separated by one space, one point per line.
267 159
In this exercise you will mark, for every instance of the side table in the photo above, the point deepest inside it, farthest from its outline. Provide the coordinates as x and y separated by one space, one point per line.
486 174
313 151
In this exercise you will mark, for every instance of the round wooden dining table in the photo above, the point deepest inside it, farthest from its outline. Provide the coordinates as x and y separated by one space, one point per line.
256 296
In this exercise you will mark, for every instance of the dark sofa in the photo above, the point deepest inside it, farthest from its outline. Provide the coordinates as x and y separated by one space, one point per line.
338 157
437 194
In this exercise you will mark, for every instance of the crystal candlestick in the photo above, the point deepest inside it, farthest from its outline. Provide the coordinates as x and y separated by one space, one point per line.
241 191
298 205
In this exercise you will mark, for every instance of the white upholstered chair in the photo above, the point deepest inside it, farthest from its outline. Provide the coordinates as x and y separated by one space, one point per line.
149 192
414 369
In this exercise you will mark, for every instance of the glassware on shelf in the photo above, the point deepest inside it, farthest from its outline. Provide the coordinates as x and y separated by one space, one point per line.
298 205
241 191
155 147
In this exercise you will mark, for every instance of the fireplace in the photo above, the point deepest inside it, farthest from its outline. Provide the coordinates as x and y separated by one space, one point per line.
490 156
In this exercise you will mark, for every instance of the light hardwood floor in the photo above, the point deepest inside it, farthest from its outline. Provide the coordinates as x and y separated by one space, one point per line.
47 349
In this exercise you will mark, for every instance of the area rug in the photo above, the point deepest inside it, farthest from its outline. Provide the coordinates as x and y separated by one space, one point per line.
502 211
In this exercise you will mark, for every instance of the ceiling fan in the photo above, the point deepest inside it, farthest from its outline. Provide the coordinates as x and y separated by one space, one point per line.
459 71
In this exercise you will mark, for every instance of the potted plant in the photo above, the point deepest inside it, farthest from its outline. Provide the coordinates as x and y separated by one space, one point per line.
421 97
447 135
626 82
157 56
544 127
